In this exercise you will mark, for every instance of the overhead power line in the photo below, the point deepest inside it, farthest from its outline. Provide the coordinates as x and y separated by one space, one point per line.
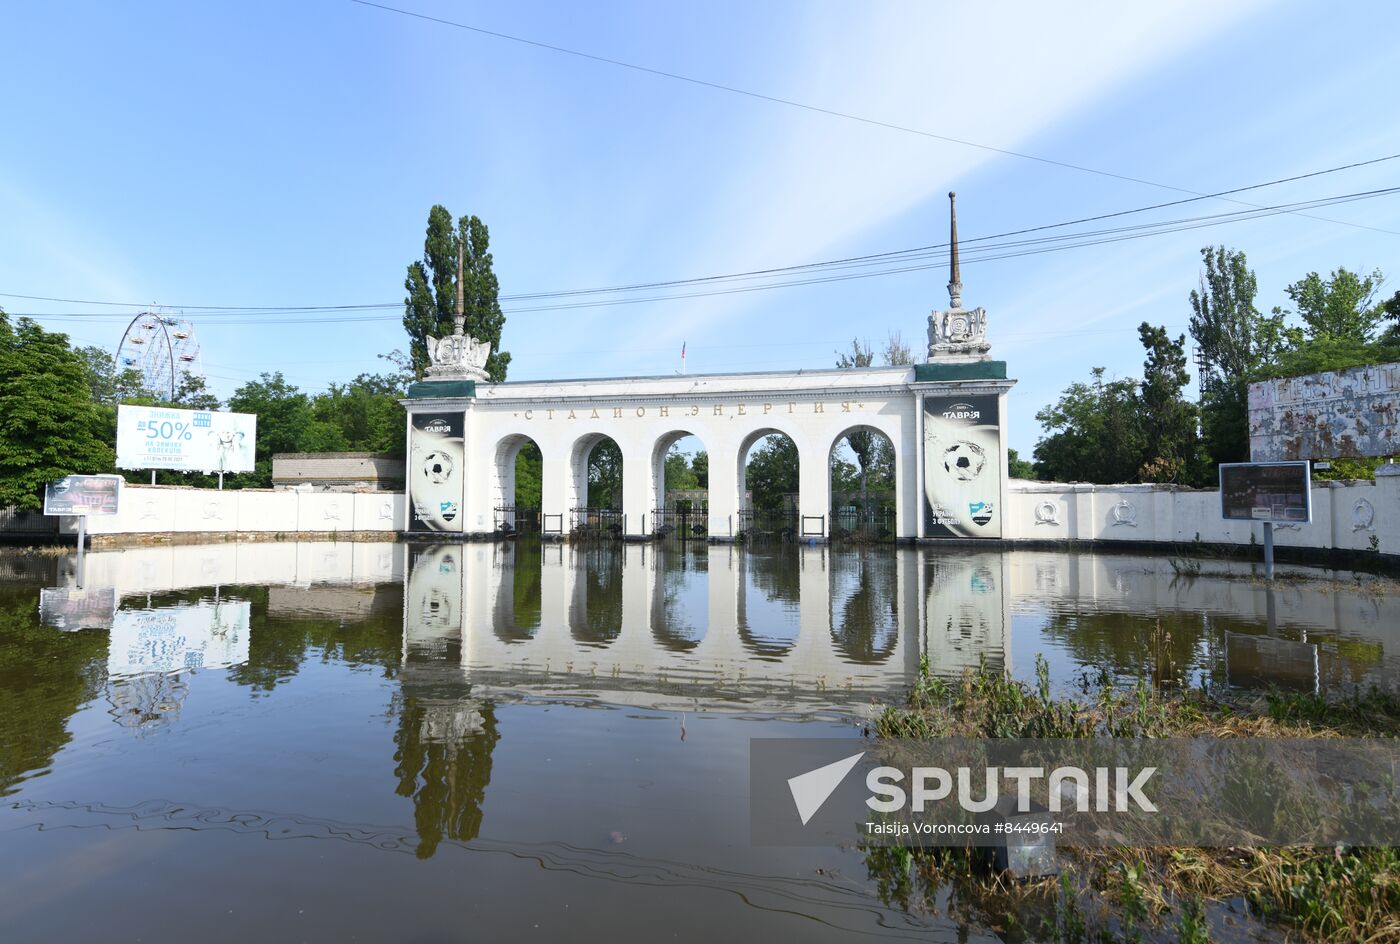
817 109
985 250
971 243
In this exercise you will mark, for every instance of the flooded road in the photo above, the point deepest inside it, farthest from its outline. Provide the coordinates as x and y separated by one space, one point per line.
436 742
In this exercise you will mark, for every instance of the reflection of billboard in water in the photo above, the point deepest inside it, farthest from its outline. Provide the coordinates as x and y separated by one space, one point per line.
962 467
436 471
204 635
1266 491
71 608
965 613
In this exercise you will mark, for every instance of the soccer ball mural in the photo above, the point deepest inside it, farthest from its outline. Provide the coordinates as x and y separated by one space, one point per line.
964 460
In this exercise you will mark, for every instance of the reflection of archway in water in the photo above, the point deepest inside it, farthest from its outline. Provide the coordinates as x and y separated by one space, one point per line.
595 612
442 759
864 605
769 617
680 603
516 615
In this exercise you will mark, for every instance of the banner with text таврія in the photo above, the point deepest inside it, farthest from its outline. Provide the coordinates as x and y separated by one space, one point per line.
152 437
962 467
436 471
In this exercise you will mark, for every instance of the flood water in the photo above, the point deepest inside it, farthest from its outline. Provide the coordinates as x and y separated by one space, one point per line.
335 742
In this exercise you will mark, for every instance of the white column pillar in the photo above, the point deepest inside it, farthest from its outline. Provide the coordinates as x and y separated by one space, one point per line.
723 487
814 484
637 474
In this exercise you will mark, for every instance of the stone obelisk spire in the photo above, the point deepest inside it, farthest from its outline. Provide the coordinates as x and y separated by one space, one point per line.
459 314
954 275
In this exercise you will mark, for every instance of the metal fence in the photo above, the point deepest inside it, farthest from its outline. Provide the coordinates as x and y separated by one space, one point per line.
758 526
516 519
17 525
599 523
681 523
851 523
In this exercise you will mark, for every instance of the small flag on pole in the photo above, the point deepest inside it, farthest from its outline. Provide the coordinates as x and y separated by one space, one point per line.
682 357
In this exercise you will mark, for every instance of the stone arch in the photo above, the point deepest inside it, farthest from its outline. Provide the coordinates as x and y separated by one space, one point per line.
503 483
656 485
577 491
867 518
742 460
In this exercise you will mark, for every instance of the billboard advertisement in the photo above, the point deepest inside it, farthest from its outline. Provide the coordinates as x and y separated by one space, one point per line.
1340 414
1280 492
204 635
83 495
73 608
152 437
962 467
435 472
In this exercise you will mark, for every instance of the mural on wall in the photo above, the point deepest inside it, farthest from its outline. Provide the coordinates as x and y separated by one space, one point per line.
436 473
962 467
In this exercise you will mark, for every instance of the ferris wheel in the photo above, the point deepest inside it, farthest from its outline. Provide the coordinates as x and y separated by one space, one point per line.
162 348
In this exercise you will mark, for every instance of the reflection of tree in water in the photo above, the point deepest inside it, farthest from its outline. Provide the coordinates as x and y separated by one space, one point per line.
443 763
778 577
278 646
674 626
1161 647
519 603
864 605
149 701
595 613
45 676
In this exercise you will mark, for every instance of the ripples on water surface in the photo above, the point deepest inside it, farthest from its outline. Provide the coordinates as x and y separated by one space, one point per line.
433 742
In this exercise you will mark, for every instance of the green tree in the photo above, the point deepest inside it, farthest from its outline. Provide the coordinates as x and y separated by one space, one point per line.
432 290
1172 444
285 424
366 412
49 425
679 474
700 465
1095 433
772 472
862 442
1233 340
605 475
1340 307
1018 468
529 476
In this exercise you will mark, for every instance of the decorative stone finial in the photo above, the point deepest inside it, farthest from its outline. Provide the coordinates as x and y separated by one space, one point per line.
958 334
458 356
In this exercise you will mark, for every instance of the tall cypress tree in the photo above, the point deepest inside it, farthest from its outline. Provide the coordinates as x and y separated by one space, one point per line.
432 290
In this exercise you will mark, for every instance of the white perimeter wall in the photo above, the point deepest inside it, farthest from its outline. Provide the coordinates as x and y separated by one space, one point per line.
1359 516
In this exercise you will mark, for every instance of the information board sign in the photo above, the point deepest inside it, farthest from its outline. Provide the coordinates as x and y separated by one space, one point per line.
1274 492
83 495
152 437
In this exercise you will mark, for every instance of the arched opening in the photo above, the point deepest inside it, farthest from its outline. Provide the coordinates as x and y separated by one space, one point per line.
863 495
768 482
519 485
680 487
596 487
864 605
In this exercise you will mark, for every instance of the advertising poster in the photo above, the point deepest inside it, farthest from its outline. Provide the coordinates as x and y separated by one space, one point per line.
436 456
962 467
83 495
1280 492
150 437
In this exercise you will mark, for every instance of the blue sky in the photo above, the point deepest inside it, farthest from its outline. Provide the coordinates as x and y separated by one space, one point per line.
278 154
